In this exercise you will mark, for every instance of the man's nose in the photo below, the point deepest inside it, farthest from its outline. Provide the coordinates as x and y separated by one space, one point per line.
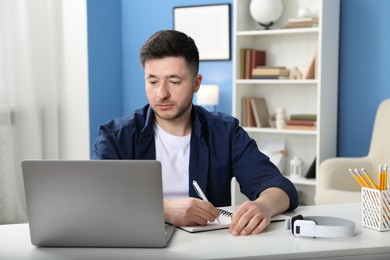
163 92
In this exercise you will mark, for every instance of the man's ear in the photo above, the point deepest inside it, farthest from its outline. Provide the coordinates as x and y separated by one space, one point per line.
197 82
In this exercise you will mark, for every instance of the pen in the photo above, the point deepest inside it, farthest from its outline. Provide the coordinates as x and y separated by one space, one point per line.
200 193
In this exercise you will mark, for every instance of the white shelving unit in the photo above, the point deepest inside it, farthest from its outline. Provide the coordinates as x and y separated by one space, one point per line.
293 48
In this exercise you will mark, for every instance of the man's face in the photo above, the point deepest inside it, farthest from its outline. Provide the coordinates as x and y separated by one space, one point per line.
170 87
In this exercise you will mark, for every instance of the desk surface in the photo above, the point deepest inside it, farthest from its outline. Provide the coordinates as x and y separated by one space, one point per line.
274 243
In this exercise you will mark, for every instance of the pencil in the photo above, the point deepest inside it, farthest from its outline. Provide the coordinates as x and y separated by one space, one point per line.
385 177
362 179
380 181
369 179
356 177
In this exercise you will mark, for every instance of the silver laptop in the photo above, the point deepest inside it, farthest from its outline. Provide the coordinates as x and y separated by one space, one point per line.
95 203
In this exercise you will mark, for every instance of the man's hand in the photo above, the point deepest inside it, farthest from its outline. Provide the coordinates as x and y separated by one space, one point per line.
249 218
189 212
252 217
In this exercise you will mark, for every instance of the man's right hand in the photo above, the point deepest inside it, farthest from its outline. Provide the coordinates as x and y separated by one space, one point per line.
189 212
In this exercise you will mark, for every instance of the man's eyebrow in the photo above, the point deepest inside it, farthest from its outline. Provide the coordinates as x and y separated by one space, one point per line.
151 76
169 76
174 76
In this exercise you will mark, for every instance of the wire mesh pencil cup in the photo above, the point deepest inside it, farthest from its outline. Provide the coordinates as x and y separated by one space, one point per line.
376 209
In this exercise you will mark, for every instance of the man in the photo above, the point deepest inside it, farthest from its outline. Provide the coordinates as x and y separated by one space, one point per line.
194 144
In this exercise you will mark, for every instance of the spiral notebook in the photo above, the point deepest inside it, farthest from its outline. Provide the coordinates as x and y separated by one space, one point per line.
225 218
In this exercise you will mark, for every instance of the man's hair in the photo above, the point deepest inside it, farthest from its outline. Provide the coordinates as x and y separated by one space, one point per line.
171 43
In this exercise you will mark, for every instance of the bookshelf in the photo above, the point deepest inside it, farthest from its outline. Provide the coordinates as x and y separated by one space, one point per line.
293 48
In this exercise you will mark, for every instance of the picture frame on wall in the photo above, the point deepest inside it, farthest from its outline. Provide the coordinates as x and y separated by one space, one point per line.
209 26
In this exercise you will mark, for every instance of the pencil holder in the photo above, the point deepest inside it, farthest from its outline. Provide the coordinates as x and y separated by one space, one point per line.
376 209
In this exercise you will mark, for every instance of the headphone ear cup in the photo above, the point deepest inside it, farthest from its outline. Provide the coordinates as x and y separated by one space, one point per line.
297 217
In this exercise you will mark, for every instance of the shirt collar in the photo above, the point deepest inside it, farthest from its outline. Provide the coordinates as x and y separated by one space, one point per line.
150 118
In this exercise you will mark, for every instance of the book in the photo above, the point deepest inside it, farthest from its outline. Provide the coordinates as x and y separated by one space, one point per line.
261 71
225 218
312 117
242 62
300 25
247 64
300 127
260 111
257 59
250 117
243 112
252 59
303 19
301 122
269 77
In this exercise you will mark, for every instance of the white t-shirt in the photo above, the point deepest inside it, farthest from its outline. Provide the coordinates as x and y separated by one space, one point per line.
174 154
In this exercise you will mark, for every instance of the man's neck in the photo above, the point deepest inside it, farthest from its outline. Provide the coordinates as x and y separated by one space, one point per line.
179 127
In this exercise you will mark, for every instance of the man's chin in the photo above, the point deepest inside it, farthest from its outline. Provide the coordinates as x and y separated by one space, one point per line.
166 115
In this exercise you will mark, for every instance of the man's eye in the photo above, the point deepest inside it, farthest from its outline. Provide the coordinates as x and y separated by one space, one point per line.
152 82
175 82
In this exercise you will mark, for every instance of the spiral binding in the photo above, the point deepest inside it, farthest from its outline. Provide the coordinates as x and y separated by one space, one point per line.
225 213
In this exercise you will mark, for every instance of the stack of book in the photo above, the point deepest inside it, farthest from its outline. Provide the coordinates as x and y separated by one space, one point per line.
302 22
302 122
250 59
262 72
255 112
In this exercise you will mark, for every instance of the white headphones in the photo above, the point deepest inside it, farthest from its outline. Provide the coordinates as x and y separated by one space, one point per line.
320 226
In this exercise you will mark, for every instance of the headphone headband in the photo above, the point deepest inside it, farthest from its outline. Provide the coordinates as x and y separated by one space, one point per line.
320 226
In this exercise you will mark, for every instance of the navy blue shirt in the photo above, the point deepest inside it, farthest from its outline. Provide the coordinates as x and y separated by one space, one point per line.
219 150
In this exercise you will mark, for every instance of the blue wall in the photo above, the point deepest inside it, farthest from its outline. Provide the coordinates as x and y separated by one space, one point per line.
105 62
364 71
118 28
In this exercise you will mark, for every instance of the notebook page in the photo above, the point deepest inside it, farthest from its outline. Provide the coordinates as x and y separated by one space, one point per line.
225 219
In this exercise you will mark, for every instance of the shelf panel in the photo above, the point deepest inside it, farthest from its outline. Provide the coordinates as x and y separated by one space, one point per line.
278 81
303 181
279 131
278 32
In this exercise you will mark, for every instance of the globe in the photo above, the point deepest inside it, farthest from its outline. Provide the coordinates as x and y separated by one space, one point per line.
266 12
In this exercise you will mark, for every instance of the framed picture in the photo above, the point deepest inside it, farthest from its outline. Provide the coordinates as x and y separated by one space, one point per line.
209 26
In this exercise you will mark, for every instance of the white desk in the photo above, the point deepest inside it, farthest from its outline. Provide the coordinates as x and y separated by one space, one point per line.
274 243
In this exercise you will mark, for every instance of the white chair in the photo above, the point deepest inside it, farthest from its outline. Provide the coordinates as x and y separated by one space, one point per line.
336 184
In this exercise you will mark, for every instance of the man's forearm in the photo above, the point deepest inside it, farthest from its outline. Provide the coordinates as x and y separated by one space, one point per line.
274 200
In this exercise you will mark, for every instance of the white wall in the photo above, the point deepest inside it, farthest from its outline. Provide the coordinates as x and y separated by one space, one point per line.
74 98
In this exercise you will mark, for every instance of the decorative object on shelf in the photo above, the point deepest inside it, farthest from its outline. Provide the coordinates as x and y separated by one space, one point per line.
295 167
266 12
295 73
310 70
207 95
304 12
311 173
280 119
